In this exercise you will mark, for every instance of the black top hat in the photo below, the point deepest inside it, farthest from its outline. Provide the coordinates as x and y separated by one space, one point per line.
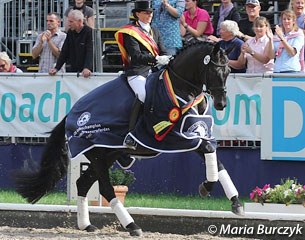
142 6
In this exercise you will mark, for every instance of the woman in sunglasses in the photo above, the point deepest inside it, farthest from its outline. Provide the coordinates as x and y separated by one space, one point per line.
6 64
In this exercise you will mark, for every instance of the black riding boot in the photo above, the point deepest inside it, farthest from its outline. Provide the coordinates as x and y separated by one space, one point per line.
136 108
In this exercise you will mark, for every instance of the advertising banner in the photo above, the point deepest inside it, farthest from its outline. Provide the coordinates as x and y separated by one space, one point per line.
30 106
283 130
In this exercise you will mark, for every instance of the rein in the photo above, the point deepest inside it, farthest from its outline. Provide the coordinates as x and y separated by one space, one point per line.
183 80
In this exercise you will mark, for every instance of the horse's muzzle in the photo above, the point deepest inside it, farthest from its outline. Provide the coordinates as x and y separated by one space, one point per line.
220 102
220 106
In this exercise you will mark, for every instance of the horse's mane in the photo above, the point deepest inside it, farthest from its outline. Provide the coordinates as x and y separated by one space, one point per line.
192 47
193 44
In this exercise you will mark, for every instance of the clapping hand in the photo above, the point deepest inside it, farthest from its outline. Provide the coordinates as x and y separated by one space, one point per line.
269 34
279 31
46 36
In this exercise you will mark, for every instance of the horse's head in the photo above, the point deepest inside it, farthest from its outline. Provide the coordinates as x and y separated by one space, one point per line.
202 64
217 72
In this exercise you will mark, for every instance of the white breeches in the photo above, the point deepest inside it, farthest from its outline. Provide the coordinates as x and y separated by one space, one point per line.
137 83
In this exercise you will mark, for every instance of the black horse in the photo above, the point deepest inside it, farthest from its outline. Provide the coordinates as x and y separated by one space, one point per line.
175 118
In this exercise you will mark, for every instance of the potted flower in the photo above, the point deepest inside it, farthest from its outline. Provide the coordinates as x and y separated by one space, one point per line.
120 179
119 176
288 193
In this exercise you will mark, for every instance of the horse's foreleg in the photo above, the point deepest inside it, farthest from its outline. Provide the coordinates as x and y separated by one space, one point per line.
230 189
211 174
225 180
84 184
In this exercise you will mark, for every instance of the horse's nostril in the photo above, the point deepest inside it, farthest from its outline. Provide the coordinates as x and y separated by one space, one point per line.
220 106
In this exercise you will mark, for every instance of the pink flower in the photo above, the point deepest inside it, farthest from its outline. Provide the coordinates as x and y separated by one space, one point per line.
259 191
266 187
252 195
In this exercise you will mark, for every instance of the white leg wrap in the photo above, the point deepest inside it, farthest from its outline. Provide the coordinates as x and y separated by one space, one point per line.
211 167
121 212
227 184
82 213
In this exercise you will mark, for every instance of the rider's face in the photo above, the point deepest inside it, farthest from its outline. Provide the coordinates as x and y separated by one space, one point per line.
145 16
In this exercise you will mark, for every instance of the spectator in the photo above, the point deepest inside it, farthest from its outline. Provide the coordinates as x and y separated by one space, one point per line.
141 47
195 22
298 7
77 51
49 43
86 10
231 44
288 45
258 52
253 8
226 11
6 64
167 15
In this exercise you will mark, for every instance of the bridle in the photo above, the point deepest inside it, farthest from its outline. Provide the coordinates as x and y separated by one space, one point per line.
216 90
209 90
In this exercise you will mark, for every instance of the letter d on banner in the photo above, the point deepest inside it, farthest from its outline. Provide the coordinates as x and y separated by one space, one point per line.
288 119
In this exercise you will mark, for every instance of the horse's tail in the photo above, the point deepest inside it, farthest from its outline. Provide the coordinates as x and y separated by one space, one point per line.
33 185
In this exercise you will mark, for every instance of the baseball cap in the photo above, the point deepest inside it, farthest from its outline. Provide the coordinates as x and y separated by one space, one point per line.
253 2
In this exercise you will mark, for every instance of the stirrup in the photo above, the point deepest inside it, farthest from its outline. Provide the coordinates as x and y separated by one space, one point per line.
129 142
125 163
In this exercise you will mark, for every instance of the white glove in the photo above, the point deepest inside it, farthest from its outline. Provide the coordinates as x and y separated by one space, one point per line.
163 60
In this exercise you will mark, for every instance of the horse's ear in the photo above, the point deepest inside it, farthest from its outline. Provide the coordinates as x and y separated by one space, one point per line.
216 48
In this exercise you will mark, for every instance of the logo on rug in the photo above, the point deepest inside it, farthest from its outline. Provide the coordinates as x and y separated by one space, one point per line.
200 129
83 119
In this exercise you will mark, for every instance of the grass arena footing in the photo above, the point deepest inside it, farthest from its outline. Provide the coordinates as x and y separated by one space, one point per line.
175 221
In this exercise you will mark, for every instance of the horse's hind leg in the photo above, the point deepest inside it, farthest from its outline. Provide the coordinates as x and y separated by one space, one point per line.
84 184
117 207
101 168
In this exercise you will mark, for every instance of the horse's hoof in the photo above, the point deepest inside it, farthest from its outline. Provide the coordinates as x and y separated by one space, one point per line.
134 230
91 228
238 209
203 192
